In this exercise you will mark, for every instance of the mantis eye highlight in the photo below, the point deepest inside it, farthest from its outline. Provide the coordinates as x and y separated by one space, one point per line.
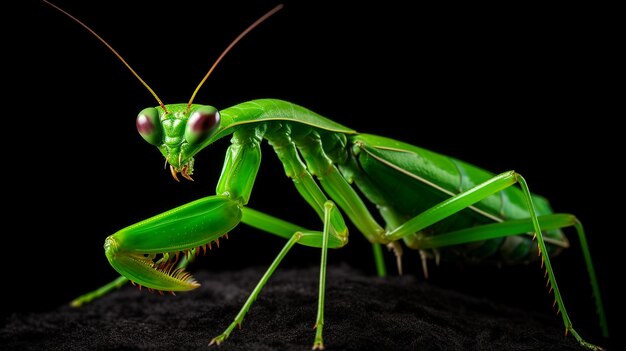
149 126
202 124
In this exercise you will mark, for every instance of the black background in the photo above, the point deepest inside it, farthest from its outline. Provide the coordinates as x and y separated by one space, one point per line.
510 87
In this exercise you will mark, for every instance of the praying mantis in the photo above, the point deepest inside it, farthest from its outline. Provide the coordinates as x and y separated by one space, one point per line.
330 210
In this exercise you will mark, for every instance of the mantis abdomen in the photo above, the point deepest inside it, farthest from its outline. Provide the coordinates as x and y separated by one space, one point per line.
404 180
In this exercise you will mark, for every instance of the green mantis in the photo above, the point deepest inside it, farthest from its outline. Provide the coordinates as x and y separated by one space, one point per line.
429 202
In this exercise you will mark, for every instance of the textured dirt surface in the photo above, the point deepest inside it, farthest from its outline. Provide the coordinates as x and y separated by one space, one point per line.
362 313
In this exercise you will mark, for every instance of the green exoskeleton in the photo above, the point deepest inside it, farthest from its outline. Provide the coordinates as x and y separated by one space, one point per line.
429 202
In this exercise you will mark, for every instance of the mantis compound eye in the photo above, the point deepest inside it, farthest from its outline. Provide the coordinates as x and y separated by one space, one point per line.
149 126
202 124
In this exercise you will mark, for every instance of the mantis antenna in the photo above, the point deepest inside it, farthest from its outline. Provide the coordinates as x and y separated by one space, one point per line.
234 42
114 52
246 31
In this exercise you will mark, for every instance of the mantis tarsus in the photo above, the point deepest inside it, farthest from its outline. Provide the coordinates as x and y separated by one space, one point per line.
380 151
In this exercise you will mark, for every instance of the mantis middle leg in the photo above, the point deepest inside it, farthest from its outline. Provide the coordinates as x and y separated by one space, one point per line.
281 228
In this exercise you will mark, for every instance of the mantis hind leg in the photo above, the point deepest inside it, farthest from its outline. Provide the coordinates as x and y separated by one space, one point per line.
523 226
520 227
479 192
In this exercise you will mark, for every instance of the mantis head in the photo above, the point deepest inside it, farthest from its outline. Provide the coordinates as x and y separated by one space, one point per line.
179 131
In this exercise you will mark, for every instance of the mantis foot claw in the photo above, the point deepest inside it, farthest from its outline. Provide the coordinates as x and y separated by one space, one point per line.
218 339
318 345
78 302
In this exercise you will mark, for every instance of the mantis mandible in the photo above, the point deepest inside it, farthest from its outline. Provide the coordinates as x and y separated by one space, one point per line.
438 202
